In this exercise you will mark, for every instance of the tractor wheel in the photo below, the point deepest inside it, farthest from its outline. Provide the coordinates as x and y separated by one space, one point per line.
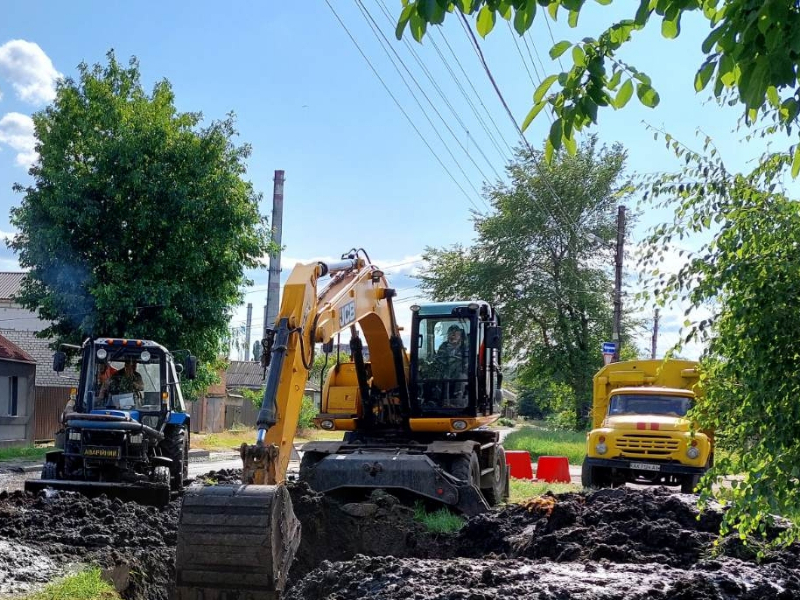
467 468
499 490
50 470
162 475
176 446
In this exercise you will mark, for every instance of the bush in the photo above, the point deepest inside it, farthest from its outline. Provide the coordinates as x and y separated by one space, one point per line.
506 422
308 410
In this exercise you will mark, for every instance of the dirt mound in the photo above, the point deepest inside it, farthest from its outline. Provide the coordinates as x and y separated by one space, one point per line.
629 543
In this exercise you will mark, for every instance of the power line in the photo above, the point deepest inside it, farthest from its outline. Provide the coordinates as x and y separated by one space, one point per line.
438 89
376 31
399 106
475 91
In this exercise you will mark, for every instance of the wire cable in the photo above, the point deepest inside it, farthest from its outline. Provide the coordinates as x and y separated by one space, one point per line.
399 106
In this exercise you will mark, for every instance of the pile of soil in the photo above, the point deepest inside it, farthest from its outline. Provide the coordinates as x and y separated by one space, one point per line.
637 544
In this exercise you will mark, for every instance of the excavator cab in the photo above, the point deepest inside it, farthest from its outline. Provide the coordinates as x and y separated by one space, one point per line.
454 360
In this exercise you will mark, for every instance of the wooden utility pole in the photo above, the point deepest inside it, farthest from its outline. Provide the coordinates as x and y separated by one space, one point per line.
617 332
274 282
655 336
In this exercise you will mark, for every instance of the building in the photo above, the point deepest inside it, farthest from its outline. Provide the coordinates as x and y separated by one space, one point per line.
17 376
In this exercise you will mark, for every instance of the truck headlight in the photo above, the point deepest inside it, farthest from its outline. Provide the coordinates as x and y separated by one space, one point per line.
137 438
693 452
75 436
601 448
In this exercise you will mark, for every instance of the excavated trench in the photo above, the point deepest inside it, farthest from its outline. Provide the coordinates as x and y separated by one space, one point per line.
621 543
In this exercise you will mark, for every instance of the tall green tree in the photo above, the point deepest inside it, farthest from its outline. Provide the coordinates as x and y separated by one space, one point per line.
751 56
543 257
138 222
747 280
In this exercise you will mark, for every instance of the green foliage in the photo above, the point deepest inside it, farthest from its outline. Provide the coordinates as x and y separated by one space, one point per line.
548 442
206 376
23 453
525 489
751 56
323 364
506 422
549 400
746 276
440 521
86 585
308 410
138 222
539 266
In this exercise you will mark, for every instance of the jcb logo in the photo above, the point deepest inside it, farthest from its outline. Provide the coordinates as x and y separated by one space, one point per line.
347 314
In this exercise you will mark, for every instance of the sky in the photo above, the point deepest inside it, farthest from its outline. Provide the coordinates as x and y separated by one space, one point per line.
317 94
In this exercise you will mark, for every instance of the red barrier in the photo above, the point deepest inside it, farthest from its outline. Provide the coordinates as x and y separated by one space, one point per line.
553 469
519 464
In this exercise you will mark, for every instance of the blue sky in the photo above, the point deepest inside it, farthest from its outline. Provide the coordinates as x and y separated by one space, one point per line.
357 173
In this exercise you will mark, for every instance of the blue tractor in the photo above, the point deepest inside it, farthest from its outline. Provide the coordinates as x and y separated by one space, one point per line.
125 429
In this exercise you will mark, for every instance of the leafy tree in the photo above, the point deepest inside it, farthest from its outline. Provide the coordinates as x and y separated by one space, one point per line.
535 260
751 56
747 276
138 222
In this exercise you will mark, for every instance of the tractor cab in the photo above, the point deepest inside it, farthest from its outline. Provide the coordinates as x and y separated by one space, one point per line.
455 360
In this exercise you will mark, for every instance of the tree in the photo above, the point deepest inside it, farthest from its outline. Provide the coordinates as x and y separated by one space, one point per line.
747 276
751 57
138 222
535 260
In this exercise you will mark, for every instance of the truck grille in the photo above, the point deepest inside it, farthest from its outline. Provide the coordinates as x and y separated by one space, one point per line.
647 445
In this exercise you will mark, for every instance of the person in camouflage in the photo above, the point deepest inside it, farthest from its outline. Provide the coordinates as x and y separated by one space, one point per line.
124 381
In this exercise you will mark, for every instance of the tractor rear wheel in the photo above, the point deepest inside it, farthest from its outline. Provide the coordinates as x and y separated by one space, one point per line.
176 446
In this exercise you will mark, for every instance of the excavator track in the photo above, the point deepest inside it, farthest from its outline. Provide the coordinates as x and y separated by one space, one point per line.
235 543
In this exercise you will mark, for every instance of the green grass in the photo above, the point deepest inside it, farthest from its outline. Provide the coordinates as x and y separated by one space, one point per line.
440 521
523 489
548 442
25 452
86 585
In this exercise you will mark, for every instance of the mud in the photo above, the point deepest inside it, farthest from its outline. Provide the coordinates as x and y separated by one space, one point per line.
636 544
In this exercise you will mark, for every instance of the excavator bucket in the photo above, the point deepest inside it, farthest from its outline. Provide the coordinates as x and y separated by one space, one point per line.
235 542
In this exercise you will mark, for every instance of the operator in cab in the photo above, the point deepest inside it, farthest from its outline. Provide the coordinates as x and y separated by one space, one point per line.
124 381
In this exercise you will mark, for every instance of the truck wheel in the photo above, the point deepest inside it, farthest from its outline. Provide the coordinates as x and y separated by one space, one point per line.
50 470
176 447
594 477
161 475
467 468
497 493
688 483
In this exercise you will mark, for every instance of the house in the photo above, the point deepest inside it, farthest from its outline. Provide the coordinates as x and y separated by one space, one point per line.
17 376
12 315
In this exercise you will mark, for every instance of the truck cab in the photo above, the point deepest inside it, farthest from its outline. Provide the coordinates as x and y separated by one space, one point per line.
641 430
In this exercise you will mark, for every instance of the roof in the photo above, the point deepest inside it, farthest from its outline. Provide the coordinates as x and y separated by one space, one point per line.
10 284
10 351
244 374
39 349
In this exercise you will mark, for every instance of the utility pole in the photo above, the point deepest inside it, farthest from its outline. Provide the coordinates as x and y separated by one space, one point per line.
274 282
617 328
247 331
655 336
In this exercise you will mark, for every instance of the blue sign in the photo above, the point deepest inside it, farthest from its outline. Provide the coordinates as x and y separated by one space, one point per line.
609 347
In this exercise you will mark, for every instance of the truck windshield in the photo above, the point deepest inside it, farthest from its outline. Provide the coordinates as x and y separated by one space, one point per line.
629 404
443 363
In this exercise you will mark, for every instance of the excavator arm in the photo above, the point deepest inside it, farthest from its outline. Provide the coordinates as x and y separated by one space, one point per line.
241 539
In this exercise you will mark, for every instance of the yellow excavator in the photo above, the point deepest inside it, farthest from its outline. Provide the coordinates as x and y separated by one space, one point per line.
412 421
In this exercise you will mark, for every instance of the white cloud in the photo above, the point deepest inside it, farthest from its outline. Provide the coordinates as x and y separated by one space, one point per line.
16 130
29 70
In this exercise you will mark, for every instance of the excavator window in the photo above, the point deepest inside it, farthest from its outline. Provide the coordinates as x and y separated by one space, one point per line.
444 363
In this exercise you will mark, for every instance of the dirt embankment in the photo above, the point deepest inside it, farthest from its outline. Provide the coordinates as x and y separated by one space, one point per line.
636 544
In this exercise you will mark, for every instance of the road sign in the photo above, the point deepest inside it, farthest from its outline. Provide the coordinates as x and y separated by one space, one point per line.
609 347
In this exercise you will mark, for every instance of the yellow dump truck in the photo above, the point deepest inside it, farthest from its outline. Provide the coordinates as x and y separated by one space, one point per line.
640 433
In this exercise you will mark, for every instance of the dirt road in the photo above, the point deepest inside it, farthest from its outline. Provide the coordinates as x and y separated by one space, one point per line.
636 544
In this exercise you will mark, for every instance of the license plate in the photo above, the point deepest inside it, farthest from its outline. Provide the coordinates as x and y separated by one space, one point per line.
104 452
645 466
